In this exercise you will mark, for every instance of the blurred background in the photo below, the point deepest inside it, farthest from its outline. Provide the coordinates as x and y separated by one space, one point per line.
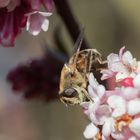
109 25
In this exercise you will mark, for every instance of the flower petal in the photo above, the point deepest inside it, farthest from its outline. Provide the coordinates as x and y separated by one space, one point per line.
121 75
132 138
92 81
45 25
127 58
102 113
118 104
107 127
138 67
34 4
85 106
107 74
129 93
121 52
90 131
100 91
112 58
135 126
45 14
136 81
134 107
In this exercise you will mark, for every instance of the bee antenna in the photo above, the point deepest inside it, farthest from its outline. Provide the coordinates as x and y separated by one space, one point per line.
79 40
78 44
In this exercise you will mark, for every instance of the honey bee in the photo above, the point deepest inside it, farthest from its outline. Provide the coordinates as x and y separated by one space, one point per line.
74 76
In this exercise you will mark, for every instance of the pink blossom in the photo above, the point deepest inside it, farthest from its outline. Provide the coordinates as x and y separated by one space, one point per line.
16 14
121 65
116 112
37 21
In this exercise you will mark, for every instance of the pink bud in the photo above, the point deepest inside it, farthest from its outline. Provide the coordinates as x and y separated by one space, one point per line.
127 82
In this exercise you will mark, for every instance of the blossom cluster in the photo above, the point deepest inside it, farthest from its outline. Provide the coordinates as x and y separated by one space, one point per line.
16 14
115 113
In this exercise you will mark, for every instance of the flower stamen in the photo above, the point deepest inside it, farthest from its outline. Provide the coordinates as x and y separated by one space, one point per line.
99 136
124 120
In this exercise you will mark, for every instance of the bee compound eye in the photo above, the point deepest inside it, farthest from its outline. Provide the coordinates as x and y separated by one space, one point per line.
70 92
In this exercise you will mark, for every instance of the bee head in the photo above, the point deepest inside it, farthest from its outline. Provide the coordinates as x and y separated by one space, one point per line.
70 96
73 96
71 86
70 93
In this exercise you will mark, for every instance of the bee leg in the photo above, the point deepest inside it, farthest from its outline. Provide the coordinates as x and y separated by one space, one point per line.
87 95
102 62
103 65
88 62
63 102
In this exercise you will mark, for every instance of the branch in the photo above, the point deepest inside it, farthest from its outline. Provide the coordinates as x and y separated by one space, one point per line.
65 12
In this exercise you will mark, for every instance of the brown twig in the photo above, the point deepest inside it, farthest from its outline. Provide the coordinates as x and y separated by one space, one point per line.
65 12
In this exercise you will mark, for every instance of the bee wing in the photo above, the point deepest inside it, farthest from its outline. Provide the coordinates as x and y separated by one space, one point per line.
77 45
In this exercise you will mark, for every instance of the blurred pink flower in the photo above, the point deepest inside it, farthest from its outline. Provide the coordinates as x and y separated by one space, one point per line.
16 14
10 4
4 3
39 78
